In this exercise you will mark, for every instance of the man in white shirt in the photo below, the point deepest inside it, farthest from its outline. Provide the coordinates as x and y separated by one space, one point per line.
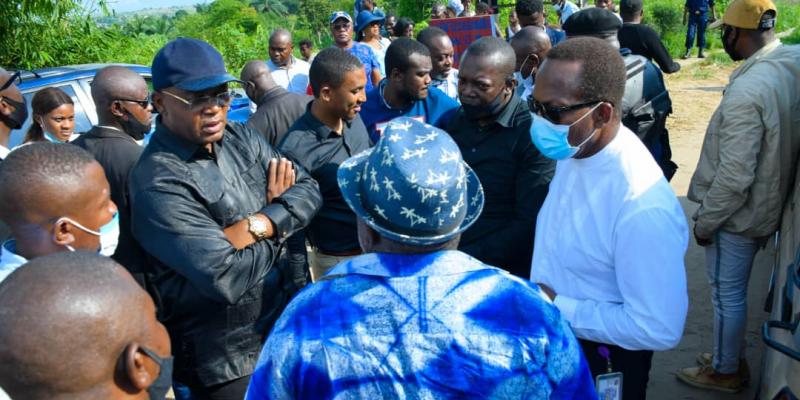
443 76
564 8
54 198
611 235
287 71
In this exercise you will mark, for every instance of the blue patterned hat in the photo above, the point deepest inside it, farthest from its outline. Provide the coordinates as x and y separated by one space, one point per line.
413 186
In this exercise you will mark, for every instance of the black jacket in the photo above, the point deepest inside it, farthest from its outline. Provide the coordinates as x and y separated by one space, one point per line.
218 303
117 153
277 110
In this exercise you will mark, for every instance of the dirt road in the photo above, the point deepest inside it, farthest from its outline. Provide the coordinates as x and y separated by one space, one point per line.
696 92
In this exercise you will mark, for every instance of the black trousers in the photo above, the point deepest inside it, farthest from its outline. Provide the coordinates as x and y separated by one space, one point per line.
232 390
634 365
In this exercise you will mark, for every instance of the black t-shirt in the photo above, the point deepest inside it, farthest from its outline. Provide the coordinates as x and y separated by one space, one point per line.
644 41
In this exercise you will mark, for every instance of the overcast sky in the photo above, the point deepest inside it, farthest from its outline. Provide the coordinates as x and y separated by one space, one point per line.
134 5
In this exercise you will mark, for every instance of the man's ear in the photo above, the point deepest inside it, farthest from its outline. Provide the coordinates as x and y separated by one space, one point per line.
63 233
5 108
604 114
325 93
116 109
136 372
395 74
158 103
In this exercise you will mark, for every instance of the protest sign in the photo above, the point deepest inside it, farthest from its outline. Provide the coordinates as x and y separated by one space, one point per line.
464 31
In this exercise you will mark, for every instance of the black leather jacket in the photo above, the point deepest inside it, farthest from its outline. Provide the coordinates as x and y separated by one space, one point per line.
218 303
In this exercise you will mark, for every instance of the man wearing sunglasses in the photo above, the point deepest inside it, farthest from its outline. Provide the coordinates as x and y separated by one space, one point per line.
744 176
212 203
13 111
611 235
122 101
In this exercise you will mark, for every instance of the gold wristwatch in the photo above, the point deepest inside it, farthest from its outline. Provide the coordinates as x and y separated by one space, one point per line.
257 227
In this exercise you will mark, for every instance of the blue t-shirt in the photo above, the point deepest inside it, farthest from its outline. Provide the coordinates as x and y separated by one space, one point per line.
367 57
699 5
436 110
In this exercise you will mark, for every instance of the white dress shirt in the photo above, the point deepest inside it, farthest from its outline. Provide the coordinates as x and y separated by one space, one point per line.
293 77
610 241
4 152
449 85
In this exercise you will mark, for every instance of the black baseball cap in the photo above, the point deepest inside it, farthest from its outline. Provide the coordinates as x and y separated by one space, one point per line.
592 22
189 64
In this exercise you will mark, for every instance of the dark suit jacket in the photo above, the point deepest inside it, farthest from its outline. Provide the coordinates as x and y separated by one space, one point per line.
277 110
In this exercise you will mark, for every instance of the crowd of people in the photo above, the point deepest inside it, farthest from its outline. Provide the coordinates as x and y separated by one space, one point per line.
386 225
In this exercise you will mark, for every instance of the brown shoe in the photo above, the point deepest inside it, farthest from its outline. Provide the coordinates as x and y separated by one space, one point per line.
705 359
707 378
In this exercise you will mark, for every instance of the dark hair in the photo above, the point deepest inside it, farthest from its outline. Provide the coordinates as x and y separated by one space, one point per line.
306 42
329 67
30 170
602 76
493 47
429 34
483 8
401 25
529 7
44 101
398 55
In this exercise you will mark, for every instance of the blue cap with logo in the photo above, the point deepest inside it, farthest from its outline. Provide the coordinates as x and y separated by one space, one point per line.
340 14
413 186
189 64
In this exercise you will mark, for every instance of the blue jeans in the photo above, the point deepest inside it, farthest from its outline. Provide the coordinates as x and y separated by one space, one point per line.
697 26
729 261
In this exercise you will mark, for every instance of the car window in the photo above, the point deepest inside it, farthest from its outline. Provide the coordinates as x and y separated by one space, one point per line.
82 122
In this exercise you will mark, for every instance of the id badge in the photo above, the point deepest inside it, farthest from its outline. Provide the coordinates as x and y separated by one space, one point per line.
609 386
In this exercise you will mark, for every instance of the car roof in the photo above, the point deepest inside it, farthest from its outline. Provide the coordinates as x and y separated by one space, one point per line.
47 76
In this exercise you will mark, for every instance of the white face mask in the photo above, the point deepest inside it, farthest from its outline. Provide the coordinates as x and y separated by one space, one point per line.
109 234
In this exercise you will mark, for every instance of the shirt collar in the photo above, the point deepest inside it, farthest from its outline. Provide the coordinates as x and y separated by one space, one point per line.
506 117
289 65
757 56
9 260
182 148
271 94
444 262
108 132
320 129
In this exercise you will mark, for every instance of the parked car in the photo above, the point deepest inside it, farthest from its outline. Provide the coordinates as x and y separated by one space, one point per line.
75 80
780 375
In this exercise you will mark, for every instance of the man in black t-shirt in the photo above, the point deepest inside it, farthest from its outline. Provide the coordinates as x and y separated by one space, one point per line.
642 39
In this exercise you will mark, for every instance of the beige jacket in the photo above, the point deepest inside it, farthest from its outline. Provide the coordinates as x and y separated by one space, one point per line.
749 155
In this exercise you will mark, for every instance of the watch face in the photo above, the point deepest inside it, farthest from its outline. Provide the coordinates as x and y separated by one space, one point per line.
257 226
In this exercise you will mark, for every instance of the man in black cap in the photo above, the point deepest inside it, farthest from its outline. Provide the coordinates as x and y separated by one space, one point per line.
641 39
492 130
122 101
212 203
646 104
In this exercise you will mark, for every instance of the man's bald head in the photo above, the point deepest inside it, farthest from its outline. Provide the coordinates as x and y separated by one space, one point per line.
530 42
258 79
42 181
113 83
67 320
491 51
281 35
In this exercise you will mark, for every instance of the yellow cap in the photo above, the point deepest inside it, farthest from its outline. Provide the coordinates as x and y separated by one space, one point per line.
746 14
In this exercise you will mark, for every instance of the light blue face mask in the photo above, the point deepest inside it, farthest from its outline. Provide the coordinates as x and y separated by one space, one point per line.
553 139
109 234
52 138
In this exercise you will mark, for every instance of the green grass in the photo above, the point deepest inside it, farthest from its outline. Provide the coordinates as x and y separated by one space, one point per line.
665 17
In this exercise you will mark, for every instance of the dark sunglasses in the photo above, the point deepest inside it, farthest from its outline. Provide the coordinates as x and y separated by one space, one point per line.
143 103
554 113
340 27
198 103
16 78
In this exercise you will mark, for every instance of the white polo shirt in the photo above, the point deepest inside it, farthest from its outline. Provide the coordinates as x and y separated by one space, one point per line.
293 77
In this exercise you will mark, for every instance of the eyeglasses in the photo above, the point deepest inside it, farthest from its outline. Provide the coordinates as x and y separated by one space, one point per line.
198 103
554 113
341 27
143 103
16 78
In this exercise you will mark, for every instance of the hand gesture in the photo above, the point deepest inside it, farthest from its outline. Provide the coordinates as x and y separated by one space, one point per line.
281 178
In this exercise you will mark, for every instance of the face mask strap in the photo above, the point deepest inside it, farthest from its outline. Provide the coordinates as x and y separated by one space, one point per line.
81 227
